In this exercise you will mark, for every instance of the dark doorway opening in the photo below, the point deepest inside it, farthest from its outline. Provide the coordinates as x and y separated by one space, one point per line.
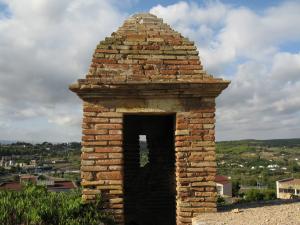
149 182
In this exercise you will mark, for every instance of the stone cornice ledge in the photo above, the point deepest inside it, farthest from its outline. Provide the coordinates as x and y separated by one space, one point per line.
181 89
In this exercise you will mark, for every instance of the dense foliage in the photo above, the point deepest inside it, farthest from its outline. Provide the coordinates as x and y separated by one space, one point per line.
36 206
254 195
220 201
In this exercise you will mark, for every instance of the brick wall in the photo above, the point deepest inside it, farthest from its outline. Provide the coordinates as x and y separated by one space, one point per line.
195 163
102 158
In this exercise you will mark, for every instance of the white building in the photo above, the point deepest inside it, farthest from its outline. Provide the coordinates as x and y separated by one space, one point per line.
273 166
224 186
287 188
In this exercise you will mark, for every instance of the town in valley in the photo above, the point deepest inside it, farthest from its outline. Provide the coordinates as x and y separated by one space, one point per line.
262 165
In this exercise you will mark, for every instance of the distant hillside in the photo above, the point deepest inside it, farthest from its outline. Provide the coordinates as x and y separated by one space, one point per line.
6 142
294 142
259 162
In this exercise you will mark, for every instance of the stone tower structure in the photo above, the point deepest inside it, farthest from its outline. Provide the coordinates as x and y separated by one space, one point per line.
146 84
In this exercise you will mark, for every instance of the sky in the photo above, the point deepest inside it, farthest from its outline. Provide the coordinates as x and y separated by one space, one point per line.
45 45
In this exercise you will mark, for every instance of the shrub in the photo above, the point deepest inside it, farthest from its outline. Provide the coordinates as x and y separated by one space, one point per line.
293 196
254 195
36 206
220 201
269 195
259 195
236 186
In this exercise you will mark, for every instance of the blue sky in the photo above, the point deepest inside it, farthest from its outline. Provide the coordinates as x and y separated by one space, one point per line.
45 45
137 6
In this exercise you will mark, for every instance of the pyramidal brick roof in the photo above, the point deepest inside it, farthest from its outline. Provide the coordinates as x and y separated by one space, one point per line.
144 50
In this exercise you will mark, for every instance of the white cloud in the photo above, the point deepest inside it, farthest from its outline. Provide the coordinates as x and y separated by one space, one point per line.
189 14
64 120
225 34
286 67
248 48
44 46
47 44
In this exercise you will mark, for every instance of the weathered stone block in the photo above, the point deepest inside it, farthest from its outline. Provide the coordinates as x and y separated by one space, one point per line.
85 149
182 132
112 175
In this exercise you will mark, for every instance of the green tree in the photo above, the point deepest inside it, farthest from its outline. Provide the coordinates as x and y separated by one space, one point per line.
294 167
236 186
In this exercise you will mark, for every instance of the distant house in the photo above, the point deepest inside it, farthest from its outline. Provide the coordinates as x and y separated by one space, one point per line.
11 163
33 162
272 166
52 185
2 162
11 186
28 179
286 188
224 186
62 186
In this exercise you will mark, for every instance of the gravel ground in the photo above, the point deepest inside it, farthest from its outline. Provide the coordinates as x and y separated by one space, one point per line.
282 214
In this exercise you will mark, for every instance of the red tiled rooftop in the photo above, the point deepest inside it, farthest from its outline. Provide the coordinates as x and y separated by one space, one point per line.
221 179
13 186
290 181
62 185
58 185
28 176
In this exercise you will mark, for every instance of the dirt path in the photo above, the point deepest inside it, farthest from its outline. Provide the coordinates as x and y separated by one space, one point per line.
284 214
